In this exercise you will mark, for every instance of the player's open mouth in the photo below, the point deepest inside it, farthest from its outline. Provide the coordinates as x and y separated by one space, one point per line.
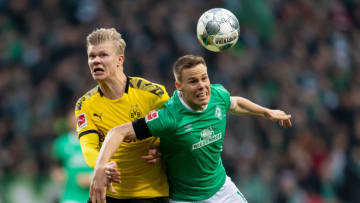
98 70
202 95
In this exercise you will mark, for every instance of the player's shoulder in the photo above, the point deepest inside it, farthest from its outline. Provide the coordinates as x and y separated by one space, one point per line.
166 115
219 92
219 88
87 97
173 106
143 84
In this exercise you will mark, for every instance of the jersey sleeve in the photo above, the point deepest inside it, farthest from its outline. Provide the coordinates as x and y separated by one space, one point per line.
160 99
224 94
160 122
84 122
87 132
155 94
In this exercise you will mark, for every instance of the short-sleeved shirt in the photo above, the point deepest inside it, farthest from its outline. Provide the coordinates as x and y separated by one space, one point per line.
191 144
97 114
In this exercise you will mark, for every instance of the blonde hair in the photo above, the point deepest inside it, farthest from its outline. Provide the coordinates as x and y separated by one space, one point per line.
185 62
101 35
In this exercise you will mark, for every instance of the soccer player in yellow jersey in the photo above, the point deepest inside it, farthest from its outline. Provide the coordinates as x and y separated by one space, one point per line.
118 99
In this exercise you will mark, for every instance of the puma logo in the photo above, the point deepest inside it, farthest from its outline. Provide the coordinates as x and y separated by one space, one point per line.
97 115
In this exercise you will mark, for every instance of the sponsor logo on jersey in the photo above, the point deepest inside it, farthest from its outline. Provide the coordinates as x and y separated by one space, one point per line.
81 121
152 116
206 133
218 113
207 136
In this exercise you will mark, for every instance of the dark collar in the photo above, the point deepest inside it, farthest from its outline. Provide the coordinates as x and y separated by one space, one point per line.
126 87
127 84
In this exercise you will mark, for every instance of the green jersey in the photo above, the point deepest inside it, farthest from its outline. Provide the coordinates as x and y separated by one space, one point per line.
191 144
67 149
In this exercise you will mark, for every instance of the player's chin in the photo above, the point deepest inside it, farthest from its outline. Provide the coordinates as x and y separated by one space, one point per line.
99 78
203 101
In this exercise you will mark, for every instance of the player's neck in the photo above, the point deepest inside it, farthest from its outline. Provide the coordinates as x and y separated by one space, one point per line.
190 105
114 88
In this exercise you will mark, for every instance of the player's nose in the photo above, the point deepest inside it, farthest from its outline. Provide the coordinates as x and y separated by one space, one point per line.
95 60
201 85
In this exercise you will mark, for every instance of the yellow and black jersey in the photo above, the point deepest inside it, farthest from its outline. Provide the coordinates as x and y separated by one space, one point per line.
97 114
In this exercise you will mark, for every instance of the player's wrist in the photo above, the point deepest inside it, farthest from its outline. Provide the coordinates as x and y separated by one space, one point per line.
99 167
266 113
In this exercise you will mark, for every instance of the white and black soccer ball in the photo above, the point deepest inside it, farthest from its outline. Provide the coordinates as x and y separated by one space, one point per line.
218 29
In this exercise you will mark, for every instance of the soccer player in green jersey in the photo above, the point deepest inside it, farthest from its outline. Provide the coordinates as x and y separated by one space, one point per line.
66 149
191 127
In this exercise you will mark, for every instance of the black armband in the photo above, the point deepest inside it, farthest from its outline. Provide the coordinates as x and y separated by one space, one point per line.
141 129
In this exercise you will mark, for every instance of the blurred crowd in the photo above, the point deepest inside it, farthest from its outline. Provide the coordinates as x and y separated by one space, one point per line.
301 56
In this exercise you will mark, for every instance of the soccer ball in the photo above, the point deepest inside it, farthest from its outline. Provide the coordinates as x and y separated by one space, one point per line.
218 29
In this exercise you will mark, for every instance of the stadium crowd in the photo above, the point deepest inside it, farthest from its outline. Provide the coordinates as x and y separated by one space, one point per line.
301 56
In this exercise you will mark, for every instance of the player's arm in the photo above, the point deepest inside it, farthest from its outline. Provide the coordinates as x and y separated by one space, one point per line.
129 131
90 148
112 142
240 105
87 131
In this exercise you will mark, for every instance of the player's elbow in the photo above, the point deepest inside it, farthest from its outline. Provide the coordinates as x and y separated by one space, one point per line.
122 132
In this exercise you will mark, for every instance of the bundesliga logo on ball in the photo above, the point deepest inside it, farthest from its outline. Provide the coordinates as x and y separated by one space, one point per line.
218 29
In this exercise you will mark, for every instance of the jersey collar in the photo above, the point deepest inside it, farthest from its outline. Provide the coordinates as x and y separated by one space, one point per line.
126 87
187 106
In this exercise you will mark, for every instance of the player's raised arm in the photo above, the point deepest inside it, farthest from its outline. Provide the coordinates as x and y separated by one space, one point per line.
240 105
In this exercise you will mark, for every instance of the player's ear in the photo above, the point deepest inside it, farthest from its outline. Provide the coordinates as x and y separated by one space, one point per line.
121 59
178 85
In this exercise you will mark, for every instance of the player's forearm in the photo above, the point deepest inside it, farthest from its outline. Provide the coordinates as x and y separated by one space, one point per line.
111 143
245 106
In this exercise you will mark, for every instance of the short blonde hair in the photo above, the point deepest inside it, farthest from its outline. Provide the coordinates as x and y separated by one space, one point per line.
101 35
185 62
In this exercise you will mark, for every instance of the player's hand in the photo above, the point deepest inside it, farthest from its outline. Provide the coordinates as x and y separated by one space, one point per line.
99 183
279 116
112 174
153 155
